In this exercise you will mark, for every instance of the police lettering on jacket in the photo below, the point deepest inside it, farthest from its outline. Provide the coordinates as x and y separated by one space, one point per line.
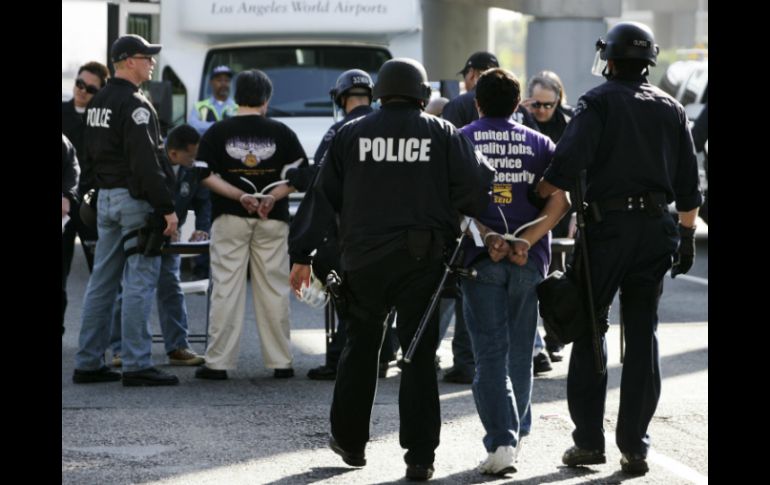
394 149
99 117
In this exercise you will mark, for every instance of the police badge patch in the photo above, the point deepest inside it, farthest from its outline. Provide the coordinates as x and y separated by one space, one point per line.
141 116
580 107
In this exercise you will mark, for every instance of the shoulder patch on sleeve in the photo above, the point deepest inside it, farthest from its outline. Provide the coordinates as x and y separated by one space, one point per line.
141 116
580 107
329 135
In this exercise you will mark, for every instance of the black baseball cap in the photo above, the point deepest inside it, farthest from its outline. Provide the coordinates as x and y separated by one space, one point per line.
221 70
480 60
131 45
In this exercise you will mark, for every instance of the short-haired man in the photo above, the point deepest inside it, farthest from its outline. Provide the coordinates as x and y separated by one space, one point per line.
122 142
250 151
181 147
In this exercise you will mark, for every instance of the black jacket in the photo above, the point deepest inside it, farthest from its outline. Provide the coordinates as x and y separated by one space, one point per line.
632 138
318 210
70 171
122 140
394 170
462 111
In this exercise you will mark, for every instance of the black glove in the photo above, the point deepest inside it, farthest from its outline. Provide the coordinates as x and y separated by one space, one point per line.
534 198
685 255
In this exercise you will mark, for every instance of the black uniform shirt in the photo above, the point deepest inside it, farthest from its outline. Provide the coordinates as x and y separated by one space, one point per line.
122 139
253 147
314 223
398 169
70 171
632 138
356 112
462 111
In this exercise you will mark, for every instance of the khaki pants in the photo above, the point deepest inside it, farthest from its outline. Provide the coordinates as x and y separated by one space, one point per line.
236 241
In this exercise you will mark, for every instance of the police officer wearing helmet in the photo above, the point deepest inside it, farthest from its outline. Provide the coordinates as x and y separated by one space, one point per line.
634 143
352 94
397 178
122 142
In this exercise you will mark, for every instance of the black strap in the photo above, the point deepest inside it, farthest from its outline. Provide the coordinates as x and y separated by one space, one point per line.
632 202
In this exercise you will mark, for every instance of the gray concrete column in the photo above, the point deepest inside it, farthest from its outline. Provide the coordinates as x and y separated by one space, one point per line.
674 29
451 32
566 47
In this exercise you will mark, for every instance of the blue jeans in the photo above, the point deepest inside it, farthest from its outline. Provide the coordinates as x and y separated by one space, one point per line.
117 215
172 311
539 344
462 352
500 308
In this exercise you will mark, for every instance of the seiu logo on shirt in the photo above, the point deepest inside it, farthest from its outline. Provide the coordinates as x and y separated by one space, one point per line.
99 117
394 149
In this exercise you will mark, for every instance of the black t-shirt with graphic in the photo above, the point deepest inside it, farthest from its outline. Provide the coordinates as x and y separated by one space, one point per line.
254 148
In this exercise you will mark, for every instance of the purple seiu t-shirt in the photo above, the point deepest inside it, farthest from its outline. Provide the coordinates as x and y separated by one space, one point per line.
520 155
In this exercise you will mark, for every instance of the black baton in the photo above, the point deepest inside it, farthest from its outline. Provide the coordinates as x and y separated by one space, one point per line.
448 268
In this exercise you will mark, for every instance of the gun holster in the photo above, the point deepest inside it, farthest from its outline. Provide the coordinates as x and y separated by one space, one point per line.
150 240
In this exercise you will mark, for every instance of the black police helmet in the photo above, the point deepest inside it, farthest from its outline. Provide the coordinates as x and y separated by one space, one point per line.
629 40
402 77
354 78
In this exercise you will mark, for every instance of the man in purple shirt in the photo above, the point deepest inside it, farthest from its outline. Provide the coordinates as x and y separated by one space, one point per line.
500 305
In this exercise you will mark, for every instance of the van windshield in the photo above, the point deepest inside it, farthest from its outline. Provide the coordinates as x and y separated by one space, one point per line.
302 75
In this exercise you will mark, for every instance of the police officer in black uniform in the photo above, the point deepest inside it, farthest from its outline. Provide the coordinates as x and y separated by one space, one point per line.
634 143
397 178
352 94
122 143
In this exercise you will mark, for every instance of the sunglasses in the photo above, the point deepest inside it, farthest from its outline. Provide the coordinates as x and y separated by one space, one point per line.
90 89
538 105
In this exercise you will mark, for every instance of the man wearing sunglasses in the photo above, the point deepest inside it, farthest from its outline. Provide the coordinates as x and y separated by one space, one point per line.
122 143
91 78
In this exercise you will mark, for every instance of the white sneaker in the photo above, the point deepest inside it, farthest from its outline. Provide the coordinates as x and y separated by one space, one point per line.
500 462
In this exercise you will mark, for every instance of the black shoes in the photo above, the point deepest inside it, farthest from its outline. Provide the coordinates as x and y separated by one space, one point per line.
634 463
204 372
541 363
352 459
322 373
419 472
555 354
457 376
103 374
149 377
283 373
575 456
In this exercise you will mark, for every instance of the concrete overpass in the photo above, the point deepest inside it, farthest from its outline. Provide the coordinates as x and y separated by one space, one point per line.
561 36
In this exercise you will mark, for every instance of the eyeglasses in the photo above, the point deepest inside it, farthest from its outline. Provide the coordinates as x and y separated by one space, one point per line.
89 88
538 105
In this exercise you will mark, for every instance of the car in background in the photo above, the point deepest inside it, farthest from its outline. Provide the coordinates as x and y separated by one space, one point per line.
687 81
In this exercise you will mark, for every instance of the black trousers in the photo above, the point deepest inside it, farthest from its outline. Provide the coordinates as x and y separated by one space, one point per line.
397 280
630 251
387 351
87 235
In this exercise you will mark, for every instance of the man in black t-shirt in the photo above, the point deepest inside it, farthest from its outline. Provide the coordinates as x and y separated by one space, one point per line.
252 153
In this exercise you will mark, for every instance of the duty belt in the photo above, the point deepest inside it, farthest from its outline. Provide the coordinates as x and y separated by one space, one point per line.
648 201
